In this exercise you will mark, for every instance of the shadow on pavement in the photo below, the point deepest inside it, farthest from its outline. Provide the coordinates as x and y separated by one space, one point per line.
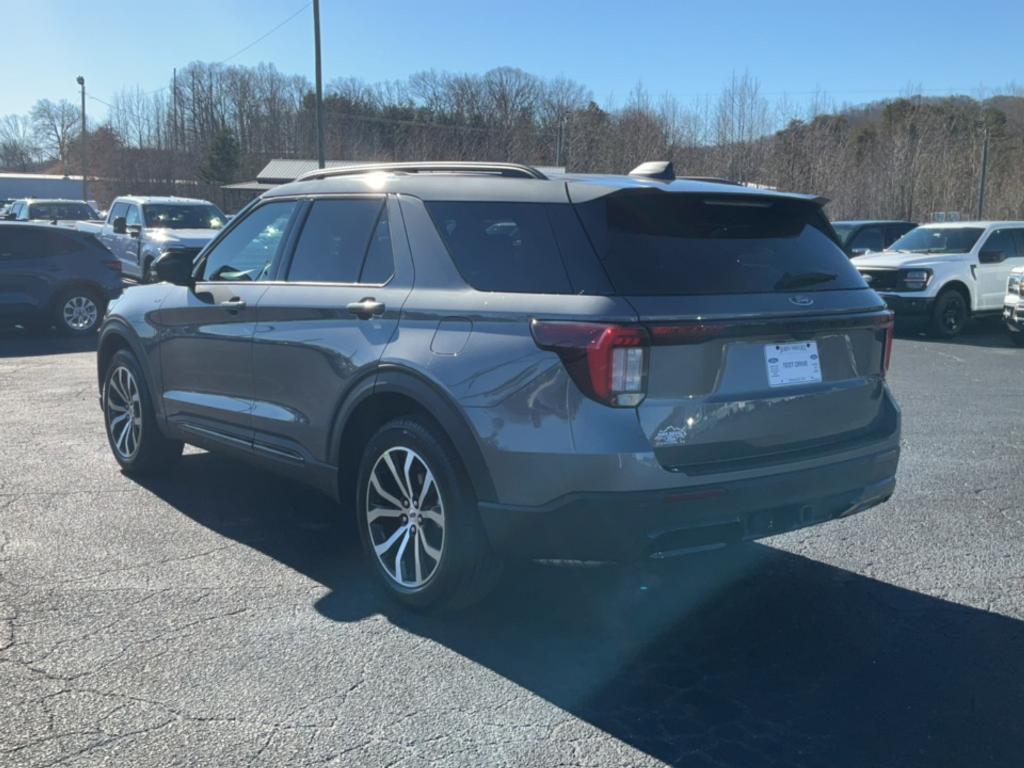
744 658
17 342
986 332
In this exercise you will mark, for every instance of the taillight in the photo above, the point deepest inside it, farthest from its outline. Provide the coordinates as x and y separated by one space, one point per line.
890 329
114 264
607 362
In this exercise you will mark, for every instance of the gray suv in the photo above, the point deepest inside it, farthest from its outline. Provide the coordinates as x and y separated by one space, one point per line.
486 361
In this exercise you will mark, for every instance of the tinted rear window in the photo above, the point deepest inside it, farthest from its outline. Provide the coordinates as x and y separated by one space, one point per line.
659 243
502 246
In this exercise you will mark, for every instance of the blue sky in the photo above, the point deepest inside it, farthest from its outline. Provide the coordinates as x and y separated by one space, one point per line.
686 48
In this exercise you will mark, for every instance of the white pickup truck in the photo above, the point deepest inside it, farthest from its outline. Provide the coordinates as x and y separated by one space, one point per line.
944 274
141 229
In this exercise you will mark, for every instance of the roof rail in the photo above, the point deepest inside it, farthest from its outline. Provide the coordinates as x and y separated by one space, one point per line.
713 180
510 170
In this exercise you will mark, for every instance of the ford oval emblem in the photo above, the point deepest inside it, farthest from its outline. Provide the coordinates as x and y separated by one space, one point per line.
801 301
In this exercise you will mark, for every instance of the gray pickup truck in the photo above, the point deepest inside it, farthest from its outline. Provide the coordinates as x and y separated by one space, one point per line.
138 230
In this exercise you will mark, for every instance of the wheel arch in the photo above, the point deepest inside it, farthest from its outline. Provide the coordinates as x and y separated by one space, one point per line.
392 392
115 336
955 284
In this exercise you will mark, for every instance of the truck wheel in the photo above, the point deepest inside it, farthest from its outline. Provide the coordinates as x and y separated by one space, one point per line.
1017 337
147 272
949 315
418 520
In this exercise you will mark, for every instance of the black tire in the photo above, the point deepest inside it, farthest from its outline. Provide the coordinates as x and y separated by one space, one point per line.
466 569
78 311
141 447
949 315
1017 337
147 272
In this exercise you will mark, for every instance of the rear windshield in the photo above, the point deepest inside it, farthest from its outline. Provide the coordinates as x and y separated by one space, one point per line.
938 240
65 211
661 243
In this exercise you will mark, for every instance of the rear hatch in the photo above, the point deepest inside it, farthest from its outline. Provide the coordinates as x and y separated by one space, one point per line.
764 342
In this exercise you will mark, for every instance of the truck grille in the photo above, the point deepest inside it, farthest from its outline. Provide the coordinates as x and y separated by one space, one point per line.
882 279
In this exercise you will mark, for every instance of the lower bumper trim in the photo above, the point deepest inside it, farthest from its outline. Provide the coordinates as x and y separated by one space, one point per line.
633 526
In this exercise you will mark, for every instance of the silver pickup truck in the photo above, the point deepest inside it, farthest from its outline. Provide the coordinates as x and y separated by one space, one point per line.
141 229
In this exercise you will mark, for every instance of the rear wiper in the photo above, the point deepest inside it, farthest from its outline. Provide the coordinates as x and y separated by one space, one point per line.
803 279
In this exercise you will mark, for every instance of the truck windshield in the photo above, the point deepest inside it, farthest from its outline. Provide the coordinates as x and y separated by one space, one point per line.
170 216
843 230
938 240
65 211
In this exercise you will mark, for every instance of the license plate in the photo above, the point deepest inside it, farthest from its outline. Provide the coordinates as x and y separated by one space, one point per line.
790 364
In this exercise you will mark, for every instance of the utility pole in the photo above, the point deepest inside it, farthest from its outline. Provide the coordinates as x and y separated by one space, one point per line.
82 139
321 162
984 175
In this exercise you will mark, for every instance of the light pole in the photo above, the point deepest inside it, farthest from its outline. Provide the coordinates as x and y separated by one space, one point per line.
85 164
320 159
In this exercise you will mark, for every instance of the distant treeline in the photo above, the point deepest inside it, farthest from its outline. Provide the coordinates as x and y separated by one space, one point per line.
214 124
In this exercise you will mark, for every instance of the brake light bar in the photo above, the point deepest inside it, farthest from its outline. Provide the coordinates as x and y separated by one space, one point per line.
607 362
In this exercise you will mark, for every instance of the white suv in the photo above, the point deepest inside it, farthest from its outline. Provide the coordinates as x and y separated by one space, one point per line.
947 273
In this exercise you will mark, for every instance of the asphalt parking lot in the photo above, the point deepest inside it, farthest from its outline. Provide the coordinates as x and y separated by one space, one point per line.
220 616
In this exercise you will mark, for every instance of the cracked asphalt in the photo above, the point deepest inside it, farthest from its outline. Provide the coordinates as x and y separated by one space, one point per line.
220 616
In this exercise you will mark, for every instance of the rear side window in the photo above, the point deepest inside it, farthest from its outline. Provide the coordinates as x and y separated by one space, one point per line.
502 246
662 243
336 238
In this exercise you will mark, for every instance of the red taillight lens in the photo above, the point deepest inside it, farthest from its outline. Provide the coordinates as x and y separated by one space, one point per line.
607 362
114 264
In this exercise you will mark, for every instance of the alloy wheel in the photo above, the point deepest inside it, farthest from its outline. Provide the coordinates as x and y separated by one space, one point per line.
124 412
80 313
405 517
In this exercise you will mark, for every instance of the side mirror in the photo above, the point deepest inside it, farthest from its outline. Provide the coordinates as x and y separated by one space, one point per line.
120 225
991 257
174 267
10 217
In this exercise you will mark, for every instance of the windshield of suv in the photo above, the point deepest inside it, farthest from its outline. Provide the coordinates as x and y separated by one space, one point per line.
187 216
938 240
658 243
66 211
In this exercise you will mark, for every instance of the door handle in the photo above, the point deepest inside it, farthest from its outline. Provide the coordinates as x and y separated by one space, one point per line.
233 304
365 308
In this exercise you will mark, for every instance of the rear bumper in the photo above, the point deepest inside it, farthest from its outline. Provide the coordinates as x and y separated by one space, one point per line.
634 525
908 306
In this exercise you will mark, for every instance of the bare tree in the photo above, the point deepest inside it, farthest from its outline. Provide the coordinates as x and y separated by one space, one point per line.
55 124
18 149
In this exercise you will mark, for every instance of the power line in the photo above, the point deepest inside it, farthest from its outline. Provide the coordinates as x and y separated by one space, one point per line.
239 52
263 37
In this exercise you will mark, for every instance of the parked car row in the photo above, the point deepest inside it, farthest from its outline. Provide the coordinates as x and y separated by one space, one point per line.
60 267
